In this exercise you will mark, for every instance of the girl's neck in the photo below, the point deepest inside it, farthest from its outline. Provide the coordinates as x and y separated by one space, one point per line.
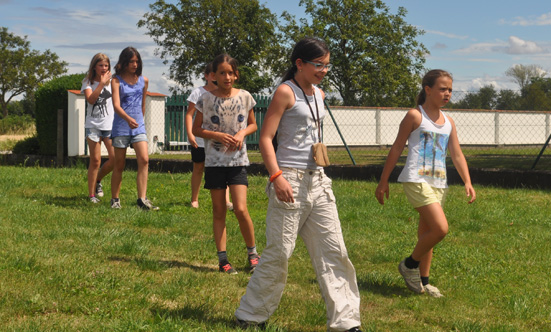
304 84
209 86
127 76
224 93
431 108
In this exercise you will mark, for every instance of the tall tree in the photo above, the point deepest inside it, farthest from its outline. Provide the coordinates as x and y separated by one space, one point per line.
23 69
376 58
523 74
192 32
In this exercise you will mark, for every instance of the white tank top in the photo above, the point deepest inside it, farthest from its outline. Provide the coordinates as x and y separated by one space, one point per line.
298 131
426 160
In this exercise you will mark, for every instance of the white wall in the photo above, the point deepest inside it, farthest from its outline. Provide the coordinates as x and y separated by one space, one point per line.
154 122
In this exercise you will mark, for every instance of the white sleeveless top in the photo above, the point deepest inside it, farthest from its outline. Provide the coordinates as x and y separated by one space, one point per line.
426 160
298 131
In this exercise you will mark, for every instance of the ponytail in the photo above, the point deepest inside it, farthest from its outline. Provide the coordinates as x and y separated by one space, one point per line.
307 49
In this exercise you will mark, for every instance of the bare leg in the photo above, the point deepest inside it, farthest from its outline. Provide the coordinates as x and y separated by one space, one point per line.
219 218
239 194
108 166
433 227
142 157
196 177
118 168
93 165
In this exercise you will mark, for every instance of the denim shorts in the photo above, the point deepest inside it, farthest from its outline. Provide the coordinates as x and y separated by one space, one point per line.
95 135
122 142
222 177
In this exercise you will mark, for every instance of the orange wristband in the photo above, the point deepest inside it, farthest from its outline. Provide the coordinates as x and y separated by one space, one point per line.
276 174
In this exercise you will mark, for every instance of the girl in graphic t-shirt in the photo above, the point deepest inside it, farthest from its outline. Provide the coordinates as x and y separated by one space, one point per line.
225 117
129 93
96 87
429 134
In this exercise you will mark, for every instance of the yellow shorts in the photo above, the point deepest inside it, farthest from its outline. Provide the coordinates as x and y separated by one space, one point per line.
422 194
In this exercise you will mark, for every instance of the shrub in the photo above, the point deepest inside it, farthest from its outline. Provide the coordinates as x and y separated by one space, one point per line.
14 124
49 98
28 145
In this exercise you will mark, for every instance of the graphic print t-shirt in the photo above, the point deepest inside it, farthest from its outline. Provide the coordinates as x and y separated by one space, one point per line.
100 114
227 115
426 160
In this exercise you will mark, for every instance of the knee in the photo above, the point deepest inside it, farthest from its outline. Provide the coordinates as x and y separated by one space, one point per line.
94 163
441 231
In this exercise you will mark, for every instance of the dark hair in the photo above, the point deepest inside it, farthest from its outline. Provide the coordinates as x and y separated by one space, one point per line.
429 80
208 68
224 57
307 49
124 60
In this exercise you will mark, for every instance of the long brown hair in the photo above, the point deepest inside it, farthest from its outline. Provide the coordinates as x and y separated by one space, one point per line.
429 80
307 49
124 60
92 69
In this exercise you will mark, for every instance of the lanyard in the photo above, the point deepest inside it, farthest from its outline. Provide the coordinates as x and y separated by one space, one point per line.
311 110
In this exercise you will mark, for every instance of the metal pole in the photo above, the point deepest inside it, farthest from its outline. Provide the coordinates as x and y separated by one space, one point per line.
340 134
541 152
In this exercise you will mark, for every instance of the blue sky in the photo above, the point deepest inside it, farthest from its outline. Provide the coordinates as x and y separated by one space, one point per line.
477 41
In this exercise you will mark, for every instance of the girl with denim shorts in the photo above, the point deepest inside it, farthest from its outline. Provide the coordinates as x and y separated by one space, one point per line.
96 87
129 93
429 134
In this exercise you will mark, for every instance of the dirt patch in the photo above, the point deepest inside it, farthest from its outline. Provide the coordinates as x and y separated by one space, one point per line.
12 137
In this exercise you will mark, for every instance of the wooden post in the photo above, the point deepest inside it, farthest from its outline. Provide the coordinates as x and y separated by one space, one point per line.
60 155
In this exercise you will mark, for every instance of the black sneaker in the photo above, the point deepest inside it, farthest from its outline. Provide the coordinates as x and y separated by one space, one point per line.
253 261
226 268
354 329
99 189
146 204
245 325
115 203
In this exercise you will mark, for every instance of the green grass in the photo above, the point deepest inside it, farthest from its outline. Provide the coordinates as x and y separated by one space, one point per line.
67 265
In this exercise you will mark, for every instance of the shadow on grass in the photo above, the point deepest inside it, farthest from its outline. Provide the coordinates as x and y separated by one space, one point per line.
383 288
75 201
190 312
157 265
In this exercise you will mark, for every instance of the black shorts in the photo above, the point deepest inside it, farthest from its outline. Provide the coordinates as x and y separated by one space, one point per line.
197 155
222 177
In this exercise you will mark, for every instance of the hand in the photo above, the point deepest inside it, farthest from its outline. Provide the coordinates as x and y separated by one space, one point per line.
106 78
239 139
469 190
192 141
132 123
382 191
283 190
227 140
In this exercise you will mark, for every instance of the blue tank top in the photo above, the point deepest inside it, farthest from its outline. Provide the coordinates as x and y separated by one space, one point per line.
131 97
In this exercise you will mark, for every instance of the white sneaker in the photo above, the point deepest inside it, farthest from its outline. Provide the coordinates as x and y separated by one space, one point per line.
412 277
432 291
99 189
94 200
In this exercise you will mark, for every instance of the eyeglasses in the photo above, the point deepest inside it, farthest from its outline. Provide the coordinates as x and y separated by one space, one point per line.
319 66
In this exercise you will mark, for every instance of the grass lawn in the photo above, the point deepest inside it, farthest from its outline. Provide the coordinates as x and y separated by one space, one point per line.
68 265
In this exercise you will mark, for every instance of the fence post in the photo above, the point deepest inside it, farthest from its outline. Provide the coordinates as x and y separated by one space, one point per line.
496 126
60 137
378 126
547 124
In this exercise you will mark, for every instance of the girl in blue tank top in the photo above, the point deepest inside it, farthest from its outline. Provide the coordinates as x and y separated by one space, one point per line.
129 92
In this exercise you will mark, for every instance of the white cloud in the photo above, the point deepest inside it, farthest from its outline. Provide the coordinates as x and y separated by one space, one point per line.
445 34
514 45
544 19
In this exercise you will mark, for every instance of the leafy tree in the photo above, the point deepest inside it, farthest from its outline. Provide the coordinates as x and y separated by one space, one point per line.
537 95
508 100
523 74
192 32
376 58
22 69
485 98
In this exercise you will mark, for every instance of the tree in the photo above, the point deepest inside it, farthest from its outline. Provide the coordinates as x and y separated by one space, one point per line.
192 32
376 58
523 74
537 95
508 100
486 98
22 69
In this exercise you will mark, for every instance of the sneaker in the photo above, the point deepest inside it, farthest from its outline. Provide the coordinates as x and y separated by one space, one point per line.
94 199
253 261
146 204
354 329
245 325
432 291
99 189
115 203
226 268
412 277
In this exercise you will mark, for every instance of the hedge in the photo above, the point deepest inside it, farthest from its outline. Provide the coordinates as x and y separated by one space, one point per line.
49 98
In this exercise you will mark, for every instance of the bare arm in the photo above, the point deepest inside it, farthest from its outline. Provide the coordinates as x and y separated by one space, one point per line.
199 131
189 124
250 129
282 100
460 163
144 97
411 121
92 96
